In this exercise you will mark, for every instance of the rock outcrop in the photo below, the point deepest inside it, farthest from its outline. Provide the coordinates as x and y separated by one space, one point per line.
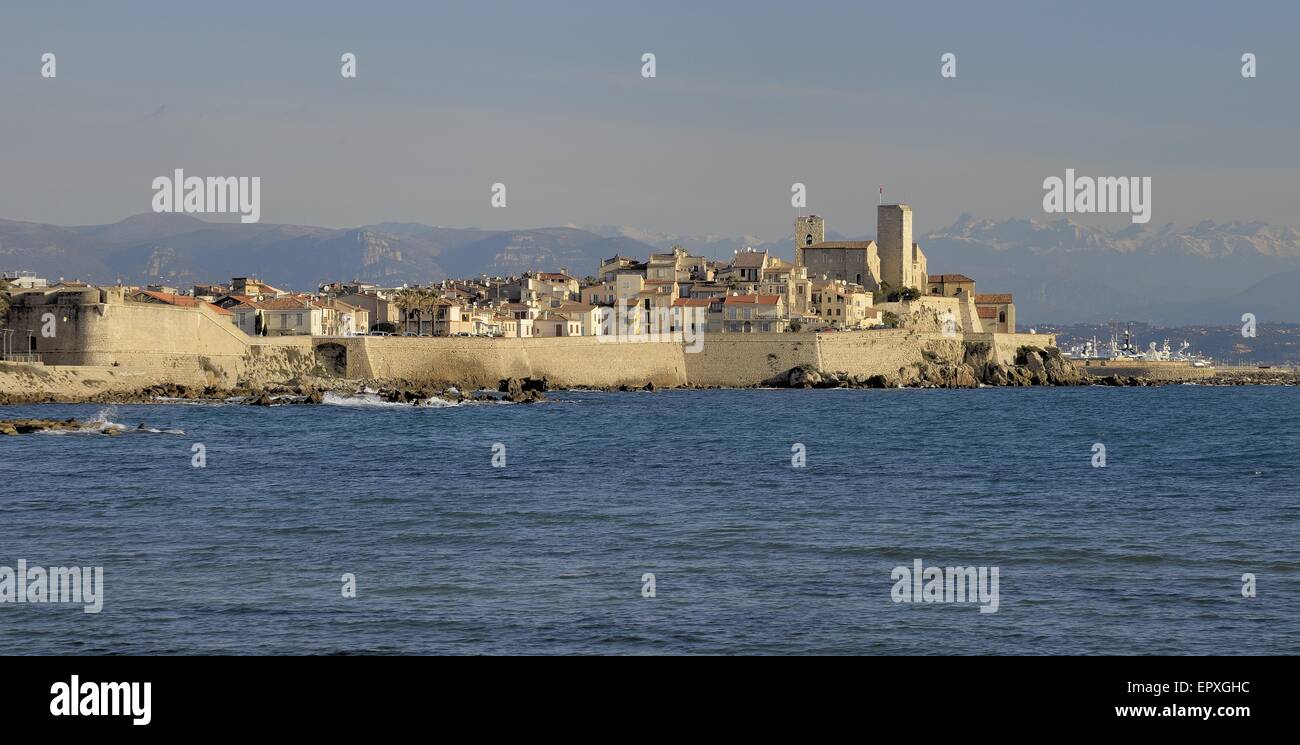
1034 367
524 390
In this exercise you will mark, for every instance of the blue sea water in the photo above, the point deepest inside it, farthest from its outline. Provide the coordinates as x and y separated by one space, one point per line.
750 555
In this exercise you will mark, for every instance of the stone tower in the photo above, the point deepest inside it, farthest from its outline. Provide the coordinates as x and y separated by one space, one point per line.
807 231
894 241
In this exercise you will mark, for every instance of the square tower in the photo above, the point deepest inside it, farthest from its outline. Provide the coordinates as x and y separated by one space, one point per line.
894 241
808 231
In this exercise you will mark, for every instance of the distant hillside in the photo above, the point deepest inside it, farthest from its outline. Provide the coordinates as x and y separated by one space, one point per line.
182 250
1060 271
1065 272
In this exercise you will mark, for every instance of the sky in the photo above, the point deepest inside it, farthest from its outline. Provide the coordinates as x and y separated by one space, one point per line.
749 98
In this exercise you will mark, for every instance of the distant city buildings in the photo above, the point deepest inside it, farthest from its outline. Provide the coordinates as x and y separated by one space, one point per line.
835 285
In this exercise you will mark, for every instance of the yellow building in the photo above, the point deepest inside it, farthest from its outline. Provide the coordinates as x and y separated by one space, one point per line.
843 305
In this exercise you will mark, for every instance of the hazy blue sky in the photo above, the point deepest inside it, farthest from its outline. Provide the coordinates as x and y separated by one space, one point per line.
547 97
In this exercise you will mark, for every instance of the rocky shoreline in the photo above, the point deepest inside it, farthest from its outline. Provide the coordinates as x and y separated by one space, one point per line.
11 427
1033 367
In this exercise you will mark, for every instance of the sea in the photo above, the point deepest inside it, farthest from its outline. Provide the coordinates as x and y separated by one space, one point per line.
1128 521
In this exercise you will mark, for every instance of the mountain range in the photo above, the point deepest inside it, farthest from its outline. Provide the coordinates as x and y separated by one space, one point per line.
1059 270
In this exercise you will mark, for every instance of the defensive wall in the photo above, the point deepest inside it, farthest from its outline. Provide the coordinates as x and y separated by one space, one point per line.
154 343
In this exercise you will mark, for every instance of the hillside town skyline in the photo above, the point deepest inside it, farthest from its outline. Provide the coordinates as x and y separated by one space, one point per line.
831 285
1062 271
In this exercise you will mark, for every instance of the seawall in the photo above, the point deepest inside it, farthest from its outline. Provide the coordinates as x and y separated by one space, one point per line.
114 346
1163 370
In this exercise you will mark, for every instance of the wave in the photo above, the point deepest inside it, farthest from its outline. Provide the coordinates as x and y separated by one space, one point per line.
102 422
367 400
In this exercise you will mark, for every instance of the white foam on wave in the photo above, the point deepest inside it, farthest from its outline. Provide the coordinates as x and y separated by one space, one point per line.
372 400
367 399
102 422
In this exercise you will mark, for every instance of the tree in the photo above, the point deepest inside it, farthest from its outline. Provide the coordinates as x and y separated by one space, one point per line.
413 300
889 319
796 325
883 293
910 293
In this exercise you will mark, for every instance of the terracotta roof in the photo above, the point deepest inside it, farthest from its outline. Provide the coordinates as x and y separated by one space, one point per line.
994 299
285 303
987 311
572 307
181 301
749 259
692 302
950 278
752 299
554 275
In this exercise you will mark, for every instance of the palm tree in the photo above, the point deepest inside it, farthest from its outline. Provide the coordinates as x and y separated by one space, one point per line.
409 300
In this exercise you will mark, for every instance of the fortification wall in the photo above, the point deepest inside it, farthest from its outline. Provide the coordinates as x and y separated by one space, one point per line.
928 312
585 361
148 344
183 344
749 359
882 352
566 361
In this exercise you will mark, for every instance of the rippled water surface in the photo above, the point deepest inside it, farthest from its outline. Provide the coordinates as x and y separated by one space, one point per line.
750 555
